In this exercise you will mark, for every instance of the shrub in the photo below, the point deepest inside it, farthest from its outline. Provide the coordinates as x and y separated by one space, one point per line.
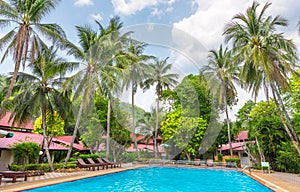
236 160
127 157
71 166
220 157
85 156
45 167
32 167
15 167
26 152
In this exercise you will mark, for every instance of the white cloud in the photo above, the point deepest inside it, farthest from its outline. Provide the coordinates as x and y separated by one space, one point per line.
208 22
80 3
97 17
129 7
160 12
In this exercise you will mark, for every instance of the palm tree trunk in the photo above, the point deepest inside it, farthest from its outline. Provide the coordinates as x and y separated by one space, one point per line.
74 132
295 143
108 128
228 126
133 122
45 139
156 128
292 127
262 157
14 77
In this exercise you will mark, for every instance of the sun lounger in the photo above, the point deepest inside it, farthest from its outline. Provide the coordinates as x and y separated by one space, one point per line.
116 164
103 165
197 162
82 164
210 162
107 164
6 173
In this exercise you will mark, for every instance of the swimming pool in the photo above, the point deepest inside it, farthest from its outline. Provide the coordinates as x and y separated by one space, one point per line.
163 179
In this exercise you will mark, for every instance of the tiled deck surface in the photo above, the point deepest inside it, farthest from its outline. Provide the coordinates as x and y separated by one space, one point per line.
280 182
285 182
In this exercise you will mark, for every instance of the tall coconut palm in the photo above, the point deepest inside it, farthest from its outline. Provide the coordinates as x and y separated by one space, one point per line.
220 73
96 54
160 77
134 76
112 32
37 93
27 33
268 58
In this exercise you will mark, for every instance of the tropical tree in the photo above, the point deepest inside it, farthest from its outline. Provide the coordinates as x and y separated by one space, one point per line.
267 57
96 54
265 126
220 72
55 124
160 77
112 32
2 87
27 34
37 93
134 76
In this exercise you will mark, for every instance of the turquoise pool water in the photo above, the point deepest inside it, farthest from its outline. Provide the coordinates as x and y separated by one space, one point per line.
163 179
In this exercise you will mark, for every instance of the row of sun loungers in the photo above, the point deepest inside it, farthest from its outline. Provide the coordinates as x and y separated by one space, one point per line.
6 173
103 163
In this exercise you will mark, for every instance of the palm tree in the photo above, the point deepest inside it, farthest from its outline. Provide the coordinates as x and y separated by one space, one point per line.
96 54
136 73
267 57
108 88
158 75
220 73
37 92
25 37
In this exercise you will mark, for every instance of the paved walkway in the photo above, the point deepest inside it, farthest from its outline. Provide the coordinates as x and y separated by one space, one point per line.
279 182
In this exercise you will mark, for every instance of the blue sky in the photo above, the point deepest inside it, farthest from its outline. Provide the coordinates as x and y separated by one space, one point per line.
181 29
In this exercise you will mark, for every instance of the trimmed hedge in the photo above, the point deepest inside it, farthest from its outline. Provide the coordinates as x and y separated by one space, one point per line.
43 167
236 160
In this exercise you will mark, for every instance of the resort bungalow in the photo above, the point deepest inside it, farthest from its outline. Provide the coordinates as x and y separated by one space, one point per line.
238 147
23 133
146 144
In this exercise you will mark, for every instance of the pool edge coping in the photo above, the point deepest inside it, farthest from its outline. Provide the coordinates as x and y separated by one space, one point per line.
46 182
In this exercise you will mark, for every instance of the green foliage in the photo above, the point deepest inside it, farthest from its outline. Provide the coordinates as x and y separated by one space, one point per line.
55 124
118 121
243 114
265 124
236 160
27 152
220 156
288 159
187 120
185 132
14 167
43 167
85 156
128 157
138 112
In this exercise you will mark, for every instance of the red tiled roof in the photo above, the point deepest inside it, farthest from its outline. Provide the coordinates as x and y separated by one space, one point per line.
6 143
243 135
142 139
67 140
240 146
145 147
4 122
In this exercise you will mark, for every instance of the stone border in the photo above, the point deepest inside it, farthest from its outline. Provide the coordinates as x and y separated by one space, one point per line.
88 174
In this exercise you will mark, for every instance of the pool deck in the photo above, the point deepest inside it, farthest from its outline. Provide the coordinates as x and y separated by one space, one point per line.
279 182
